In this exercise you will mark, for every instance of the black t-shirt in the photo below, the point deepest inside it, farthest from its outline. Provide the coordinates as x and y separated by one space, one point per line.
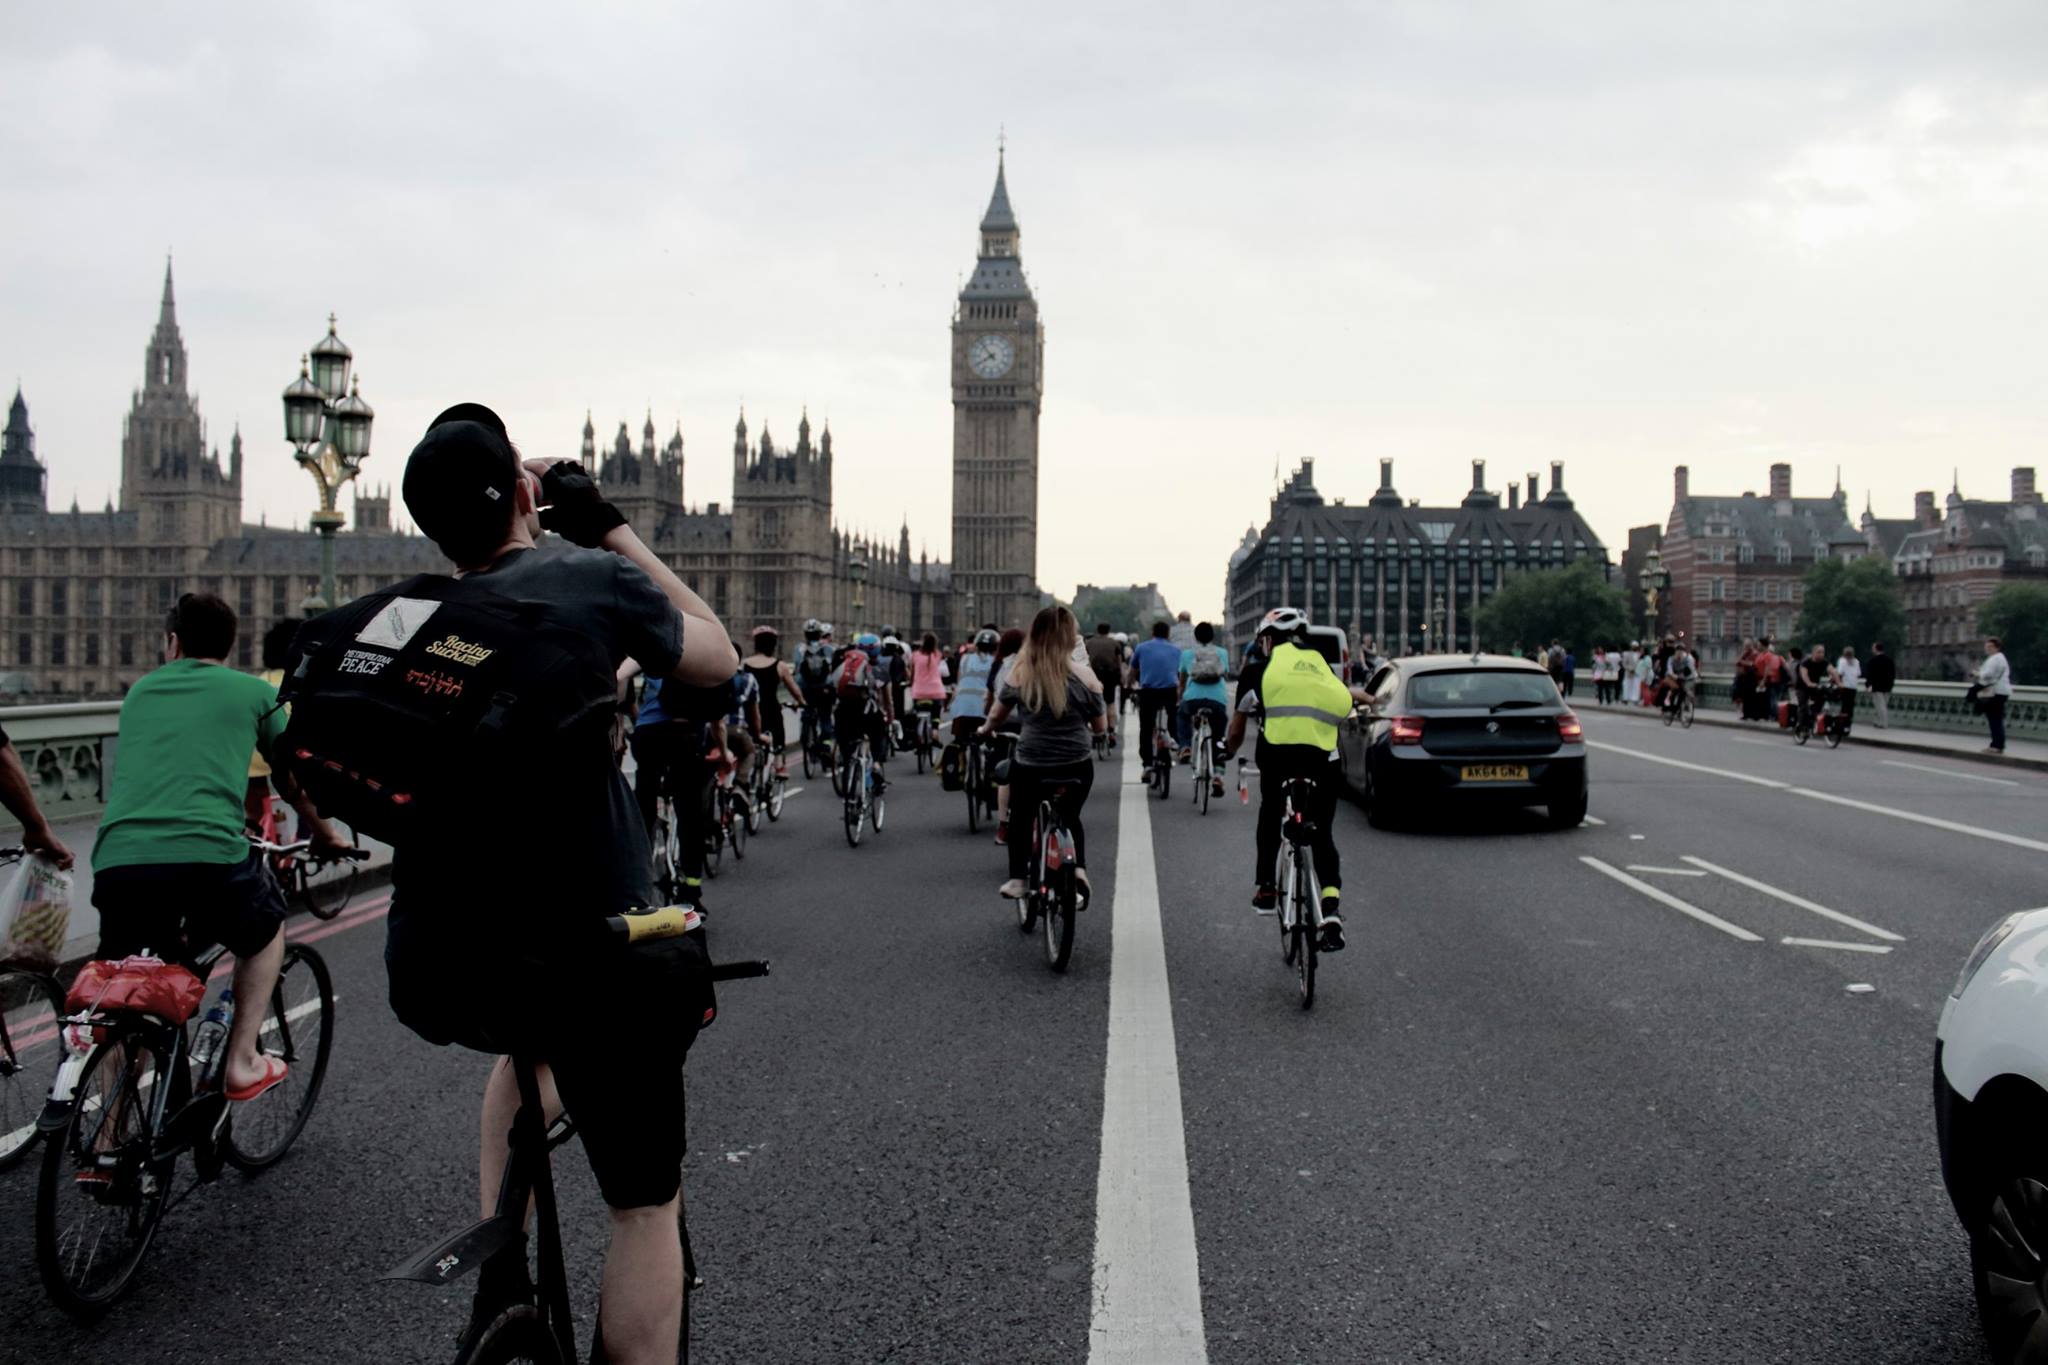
1813 672
571 844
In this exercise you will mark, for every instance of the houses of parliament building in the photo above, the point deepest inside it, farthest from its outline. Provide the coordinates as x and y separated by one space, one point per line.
83 594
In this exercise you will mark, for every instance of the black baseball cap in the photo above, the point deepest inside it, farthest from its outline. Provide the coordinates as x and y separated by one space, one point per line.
460 478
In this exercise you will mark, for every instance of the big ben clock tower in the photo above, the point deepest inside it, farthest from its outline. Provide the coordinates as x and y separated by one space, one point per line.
998 382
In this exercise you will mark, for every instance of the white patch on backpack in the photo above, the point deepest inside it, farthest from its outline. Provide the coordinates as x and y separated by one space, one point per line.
364 661
400 620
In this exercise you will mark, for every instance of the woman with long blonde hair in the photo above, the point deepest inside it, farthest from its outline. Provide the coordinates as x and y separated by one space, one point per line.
1060 704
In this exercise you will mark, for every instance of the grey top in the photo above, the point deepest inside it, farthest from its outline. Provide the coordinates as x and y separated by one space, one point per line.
1048 739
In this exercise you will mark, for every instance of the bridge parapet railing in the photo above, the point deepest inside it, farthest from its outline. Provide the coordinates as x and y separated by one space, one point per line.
1917 705
67 749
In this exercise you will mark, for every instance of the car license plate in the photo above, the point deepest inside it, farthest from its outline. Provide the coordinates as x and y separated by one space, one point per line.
1495 772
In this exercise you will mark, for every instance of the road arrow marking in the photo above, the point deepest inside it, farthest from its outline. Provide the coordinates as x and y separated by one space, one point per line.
1663 897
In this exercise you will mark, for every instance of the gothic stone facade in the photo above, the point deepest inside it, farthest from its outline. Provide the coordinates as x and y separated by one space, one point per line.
83 595
1949 563
1380 568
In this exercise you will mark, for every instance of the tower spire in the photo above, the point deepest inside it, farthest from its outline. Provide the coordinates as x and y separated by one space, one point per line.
1000 217
167 314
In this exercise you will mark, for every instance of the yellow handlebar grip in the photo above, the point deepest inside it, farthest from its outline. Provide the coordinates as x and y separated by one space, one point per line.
668 921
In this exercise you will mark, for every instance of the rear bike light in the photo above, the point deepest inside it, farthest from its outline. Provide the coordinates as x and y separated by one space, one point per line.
1406 730
1568 727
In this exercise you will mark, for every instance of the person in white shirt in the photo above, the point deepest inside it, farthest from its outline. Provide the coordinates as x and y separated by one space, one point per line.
1631 688
1851 674
1994 680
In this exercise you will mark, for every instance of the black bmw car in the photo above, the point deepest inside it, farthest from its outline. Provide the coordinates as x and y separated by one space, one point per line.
1459 728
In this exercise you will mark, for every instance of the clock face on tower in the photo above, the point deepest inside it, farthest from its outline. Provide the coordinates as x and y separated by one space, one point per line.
991 356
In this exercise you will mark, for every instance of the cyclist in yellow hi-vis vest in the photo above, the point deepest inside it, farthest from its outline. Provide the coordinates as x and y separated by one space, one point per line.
1299 703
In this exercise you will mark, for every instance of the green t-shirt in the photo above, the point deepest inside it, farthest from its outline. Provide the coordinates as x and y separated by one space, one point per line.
183 766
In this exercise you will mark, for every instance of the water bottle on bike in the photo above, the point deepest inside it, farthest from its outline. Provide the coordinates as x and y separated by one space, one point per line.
210 1041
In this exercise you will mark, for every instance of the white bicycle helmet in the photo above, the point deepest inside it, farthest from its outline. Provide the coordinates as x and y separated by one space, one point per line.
1283 621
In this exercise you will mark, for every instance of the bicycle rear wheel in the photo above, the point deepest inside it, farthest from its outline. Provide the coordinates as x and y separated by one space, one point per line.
739 821
1306 947
30 1047
1834 735
92 1234
518 1336
973 785
298 1027
855 806
1057 922
1685 713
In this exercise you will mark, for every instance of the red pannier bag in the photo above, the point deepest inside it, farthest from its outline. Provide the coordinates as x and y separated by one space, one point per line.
137 985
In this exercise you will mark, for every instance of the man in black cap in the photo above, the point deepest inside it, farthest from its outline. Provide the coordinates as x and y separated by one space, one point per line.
478 934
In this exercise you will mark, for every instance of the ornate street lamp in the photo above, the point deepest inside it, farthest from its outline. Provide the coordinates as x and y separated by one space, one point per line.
973 619
1655 578
857 570
1443 639
328 425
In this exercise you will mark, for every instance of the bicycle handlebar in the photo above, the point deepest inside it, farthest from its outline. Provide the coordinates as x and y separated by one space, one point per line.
303 847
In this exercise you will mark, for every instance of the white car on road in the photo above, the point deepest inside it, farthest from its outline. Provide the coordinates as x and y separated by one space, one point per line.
1991 1119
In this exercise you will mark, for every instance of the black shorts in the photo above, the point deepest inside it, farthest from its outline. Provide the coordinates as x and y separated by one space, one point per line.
613 1025
179 910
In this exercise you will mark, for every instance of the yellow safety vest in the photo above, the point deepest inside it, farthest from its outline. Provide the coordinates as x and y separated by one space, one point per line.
1302 700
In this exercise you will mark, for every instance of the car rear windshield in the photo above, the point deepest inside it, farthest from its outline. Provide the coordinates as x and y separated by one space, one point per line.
1480 687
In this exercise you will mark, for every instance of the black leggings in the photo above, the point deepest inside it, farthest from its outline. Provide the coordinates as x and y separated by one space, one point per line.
1276 766
670 753
1027 786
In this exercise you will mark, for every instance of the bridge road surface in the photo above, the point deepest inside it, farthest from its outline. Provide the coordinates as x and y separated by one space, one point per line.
1537 1114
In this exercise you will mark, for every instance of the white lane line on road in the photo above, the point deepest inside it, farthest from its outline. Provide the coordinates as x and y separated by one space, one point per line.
1952 826
1786 896
1663 897
1146 1301
1829 943
1594 821
1945 772
1729 773
1935 822
793 791
1667 871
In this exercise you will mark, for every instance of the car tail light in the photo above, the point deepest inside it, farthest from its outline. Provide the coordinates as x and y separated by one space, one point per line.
1568 727
1406 730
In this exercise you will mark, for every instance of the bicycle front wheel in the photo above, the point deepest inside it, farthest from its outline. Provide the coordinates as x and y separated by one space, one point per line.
518 1336
856 809
739 817
30 1006
100 1197
1685 713
298 1028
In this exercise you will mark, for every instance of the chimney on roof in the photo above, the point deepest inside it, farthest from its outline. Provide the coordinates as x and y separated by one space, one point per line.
2023 485
1924 513
1681 484
1386 474
1534 491
1781 481
1514 496
1557 476
1479 476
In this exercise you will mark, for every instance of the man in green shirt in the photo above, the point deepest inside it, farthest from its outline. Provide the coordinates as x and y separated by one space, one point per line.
173 871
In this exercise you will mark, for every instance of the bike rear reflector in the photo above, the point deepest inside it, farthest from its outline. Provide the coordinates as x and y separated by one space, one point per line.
1406 730
1568 727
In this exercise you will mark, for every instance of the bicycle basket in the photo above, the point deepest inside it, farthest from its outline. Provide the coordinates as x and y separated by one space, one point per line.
137 985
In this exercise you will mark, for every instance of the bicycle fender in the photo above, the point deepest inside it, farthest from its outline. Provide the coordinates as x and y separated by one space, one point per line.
63 1091
446 1262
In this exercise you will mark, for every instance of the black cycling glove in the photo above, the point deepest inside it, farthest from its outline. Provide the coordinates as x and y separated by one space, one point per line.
576 511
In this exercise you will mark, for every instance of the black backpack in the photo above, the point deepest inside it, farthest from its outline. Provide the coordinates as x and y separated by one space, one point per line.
433 701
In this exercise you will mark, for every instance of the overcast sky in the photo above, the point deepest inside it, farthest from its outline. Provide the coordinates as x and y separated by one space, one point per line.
1623 235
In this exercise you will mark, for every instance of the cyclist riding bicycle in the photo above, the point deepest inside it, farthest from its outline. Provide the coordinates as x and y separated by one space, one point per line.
1156 666
1299 703
497 938
173 871
862 705
771 673
814 660
1203 689
1681 677
971 677
928 679
1106 661
1060 704
670 740
1812 679
743 727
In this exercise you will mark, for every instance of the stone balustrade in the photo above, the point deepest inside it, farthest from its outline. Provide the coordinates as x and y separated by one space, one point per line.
1929 706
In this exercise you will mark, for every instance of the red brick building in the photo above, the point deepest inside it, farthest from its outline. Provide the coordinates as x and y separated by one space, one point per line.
1951 561
1736 561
